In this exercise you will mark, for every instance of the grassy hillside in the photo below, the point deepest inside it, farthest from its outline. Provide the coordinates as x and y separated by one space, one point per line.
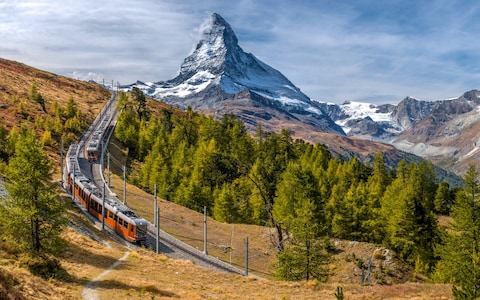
144 275
17 78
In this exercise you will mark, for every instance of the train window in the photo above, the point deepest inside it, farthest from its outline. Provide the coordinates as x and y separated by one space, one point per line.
120 222
92 203
131 228
110 214
99 209
125 224
115 218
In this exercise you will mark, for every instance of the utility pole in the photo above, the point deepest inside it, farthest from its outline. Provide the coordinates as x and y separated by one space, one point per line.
124 185
103 208
246 256
205 230
155 203
158 229
108 168
369 268
101 157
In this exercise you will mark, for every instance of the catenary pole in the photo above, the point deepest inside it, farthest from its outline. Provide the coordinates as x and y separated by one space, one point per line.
124 185
103 207
205 230
108 168
158 229
155 203
246 256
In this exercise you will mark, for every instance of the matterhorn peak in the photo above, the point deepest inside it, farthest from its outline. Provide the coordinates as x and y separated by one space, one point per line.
217 40
216 27
218 71
218 59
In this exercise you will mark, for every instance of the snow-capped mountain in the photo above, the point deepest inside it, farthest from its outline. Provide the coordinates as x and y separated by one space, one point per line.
447 131
219 77
385 122
364 119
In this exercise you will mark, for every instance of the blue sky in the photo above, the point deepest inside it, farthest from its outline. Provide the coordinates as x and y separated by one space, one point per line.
373 51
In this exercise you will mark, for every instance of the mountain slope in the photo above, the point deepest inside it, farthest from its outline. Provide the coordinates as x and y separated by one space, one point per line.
219 77
444 131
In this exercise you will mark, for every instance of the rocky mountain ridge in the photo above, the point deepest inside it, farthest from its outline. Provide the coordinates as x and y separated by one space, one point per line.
445 131
219 78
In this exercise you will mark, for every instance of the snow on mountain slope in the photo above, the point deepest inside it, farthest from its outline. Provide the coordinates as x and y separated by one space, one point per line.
364 119
219 60
360 110
218 77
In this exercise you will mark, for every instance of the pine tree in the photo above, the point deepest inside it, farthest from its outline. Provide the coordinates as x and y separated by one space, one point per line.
376 186
3 142
299 207
443 199
224 209
272 156
128 125
71 109
460 252
353 215
411 226
34 215
140 103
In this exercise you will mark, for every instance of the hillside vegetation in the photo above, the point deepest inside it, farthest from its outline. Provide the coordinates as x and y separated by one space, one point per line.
300 191
144 275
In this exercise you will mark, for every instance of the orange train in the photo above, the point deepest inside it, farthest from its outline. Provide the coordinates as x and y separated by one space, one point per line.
117 216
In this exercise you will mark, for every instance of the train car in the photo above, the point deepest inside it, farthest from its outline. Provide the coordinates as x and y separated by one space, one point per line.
93 146
119 217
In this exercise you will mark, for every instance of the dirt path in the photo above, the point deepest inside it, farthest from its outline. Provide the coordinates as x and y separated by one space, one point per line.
88 292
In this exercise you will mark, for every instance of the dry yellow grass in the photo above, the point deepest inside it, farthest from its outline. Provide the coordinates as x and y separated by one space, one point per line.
145 275
188 226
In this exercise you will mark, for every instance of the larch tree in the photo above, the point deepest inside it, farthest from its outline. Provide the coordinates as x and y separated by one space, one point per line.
140 103
33 215
460 257
299 207
411 226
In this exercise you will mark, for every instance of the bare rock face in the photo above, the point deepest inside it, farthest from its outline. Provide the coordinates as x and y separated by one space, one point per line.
410 111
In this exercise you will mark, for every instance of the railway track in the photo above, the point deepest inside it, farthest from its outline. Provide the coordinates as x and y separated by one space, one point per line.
169 245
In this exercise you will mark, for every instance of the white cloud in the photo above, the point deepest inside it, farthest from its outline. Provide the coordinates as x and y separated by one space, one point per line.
335 51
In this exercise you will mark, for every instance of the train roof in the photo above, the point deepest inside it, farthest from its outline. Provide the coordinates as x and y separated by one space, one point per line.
111 201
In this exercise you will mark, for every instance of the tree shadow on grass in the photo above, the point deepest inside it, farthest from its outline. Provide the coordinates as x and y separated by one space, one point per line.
150 290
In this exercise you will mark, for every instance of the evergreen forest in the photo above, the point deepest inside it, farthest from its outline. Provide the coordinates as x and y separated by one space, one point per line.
304 193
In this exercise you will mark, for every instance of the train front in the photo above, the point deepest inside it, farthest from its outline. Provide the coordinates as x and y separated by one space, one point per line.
141 230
